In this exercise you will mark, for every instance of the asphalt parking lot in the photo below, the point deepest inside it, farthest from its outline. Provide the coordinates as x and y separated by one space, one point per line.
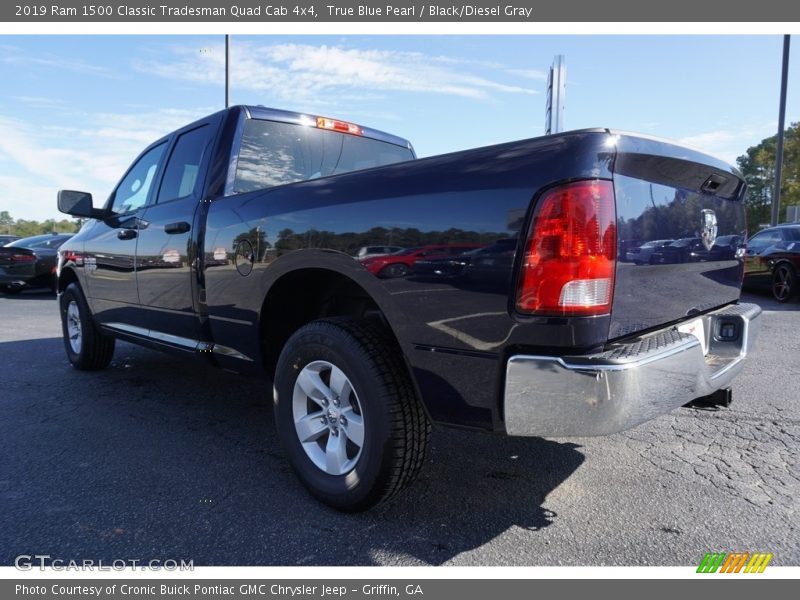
156 458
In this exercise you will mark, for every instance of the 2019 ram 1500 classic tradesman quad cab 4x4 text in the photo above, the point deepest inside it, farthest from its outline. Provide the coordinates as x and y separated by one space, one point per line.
232 239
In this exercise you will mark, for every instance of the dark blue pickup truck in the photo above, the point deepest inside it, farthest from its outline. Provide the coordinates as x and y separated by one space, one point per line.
234 240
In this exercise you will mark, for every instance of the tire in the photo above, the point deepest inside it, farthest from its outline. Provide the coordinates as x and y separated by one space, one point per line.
375 436
394 271
784 286
87 348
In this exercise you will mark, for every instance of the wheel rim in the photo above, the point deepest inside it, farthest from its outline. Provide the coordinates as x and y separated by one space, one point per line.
781 283
328 418
74 332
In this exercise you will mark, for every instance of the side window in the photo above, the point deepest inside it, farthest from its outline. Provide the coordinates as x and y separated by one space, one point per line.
183 166
133 191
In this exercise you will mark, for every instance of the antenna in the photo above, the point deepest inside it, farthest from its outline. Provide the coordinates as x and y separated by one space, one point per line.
556 94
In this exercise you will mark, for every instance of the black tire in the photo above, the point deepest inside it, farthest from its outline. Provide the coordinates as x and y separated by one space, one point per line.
94 350
396 429
393 271
784 283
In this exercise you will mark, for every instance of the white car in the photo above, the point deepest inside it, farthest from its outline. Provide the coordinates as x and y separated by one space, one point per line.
369 251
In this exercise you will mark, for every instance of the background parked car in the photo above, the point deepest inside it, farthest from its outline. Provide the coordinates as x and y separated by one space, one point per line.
492 265
640 255
7 239
726 247
492 255
773 261
400 263
30 262
370 251
680 251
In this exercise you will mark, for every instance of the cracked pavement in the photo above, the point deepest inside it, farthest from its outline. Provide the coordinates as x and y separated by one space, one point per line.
160 458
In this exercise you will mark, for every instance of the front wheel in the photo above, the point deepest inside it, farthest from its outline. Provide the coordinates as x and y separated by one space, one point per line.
783 283
87 348
347 414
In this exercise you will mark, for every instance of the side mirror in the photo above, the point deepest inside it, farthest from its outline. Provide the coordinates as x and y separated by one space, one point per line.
77 204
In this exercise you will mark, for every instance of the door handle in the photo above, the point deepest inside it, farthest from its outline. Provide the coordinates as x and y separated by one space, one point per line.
179 227
126 234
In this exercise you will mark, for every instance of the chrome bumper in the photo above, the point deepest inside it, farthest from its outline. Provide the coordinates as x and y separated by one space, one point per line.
629 383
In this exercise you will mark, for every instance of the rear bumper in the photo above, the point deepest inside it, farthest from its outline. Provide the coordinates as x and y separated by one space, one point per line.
15 278
629 383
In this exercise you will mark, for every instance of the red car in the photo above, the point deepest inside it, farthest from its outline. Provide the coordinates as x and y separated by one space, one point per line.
400 263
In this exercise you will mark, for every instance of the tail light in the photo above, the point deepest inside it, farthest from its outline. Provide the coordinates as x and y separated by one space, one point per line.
570 256
22 258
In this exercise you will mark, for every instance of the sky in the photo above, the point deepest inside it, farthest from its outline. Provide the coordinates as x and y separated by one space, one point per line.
75 110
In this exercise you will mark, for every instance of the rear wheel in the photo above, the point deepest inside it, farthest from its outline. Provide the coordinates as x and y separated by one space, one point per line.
349 420
783 283
87 348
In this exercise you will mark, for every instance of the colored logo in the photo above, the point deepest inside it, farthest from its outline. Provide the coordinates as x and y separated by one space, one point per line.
734 562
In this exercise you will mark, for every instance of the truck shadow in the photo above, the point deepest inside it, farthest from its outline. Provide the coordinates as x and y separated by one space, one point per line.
159 458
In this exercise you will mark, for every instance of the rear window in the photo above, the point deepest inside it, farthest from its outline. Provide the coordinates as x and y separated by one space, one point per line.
793 233
274 153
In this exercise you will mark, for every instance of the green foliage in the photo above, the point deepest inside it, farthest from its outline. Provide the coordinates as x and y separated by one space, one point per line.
758 167
26 228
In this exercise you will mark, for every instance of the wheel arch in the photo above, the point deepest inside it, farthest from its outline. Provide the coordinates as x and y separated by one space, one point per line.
67 276
323 285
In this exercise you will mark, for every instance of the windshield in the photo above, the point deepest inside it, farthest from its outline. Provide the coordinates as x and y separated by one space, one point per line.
274 153
655 243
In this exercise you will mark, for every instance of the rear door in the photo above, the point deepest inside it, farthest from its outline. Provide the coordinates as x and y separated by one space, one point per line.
669 192
166 252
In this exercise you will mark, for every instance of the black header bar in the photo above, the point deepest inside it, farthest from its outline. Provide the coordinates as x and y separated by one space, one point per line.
397 11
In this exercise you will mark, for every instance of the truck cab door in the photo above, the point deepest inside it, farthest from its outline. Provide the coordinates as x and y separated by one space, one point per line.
110 248
166 255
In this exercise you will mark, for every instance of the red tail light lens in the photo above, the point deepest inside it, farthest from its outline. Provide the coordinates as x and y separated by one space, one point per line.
22 258
570 257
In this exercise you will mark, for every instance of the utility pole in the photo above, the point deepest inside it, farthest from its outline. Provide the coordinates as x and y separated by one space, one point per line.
227 71
776 195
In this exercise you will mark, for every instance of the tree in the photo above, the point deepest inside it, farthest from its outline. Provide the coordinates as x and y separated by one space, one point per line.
25 228
6 222
758 167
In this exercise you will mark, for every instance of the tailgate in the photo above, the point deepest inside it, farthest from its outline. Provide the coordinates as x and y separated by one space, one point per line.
667 192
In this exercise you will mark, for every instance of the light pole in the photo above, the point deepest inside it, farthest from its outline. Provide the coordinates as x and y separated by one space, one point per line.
776 196
227 71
